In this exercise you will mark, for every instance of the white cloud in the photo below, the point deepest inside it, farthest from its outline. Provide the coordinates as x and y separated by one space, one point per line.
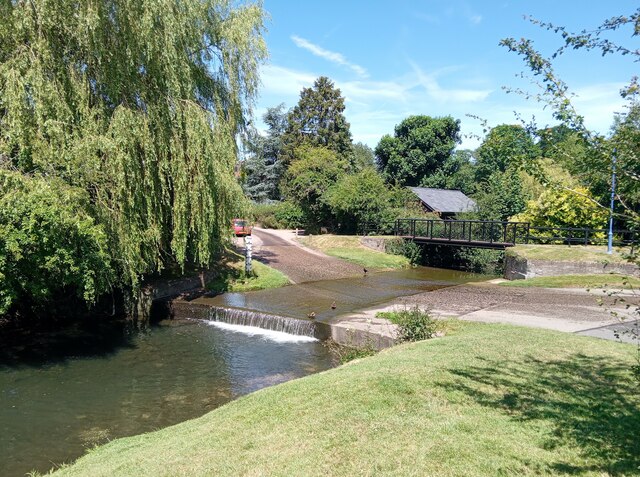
331 56
438 93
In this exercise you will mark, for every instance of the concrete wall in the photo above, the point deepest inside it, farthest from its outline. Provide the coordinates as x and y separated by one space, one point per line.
374 243
518 268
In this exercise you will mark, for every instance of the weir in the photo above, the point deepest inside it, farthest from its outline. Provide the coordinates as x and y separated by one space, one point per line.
284 324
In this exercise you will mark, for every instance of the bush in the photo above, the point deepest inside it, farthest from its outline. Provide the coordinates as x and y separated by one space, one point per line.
50 247
290 216
482 260
278 215
414 324
406 248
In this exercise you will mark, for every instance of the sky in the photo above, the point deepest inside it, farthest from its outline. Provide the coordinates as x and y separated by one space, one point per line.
393 59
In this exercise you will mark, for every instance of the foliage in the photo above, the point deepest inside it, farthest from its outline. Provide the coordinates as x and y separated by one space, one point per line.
414 324
625 143
138 104
420 145
363 157
290 216
261 179
264 168
318 121
406 248
482 260
564 208
501 196
555 93
309 177
506 146
49 244
358 199
456 173
278 215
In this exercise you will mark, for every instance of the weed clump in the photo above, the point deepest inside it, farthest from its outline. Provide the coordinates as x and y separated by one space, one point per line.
413 323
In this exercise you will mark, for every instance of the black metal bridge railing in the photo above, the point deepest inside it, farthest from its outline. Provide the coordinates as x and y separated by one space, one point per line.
496 234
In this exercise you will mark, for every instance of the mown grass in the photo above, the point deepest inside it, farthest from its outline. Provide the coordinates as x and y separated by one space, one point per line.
485 400
232 277
350 249
565 253
576 281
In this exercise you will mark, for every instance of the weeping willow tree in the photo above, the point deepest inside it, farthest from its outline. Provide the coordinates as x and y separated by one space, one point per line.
136 103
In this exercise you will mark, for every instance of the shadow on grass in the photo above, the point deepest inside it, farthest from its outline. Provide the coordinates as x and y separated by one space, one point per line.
590 403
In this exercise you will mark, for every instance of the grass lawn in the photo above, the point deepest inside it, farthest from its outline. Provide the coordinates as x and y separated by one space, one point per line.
232 277
575 253
576 281
349 248
486 400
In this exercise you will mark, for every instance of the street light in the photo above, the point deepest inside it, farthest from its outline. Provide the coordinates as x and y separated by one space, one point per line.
613 195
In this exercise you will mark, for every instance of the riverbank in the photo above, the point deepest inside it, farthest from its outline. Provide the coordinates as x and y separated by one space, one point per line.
484 399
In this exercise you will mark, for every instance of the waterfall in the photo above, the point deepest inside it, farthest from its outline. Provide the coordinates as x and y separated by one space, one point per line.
265 321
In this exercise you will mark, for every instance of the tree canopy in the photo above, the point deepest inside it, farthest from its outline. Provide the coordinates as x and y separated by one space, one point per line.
506 145
318 120
135 106
264 167
419 146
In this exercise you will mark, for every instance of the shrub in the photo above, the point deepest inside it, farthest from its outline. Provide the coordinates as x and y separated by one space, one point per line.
290 216
482 260
50 246
278 215
414 324
406 248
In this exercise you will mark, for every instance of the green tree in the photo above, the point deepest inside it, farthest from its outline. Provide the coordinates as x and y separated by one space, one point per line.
139 105
501 196
318 121
564 208
359 198
456 173
420 145
308 179
363 157
505 146
263 168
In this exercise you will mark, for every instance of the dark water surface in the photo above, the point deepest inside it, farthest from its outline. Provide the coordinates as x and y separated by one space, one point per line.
51 411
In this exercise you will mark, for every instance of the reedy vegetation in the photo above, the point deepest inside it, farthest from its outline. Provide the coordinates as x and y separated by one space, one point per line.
133 108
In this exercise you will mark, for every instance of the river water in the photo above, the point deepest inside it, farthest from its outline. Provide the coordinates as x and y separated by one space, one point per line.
65 392
52 410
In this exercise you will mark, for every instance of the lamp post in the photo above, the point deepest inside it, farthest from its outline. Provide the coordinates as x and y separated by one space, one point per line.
613 195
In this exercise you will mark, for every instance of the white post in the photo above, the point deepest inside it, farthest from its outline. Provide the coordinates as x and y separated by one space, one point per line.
247 254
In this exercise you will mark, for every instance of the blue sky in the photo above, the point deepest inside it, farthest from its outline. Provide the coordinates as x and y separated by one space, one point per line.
392 59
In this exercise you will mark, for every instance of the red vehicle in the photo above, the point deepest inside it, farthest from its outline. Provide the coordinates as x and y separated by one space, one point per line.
241 227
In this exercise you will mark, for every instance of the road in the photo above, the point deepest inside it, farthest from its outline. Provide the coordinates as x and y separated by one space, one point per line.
278 250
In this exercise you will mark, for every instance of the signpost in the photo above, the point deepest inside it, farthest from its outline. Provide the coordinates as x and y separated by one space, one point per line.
247 254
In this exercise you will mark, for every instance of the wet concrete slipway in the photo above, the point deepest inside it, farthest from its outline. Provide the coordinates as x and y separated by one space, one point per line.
328 302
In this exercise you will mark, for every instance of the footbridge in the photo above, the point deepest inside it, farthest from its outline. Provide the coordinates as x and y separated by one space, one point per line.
496 234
